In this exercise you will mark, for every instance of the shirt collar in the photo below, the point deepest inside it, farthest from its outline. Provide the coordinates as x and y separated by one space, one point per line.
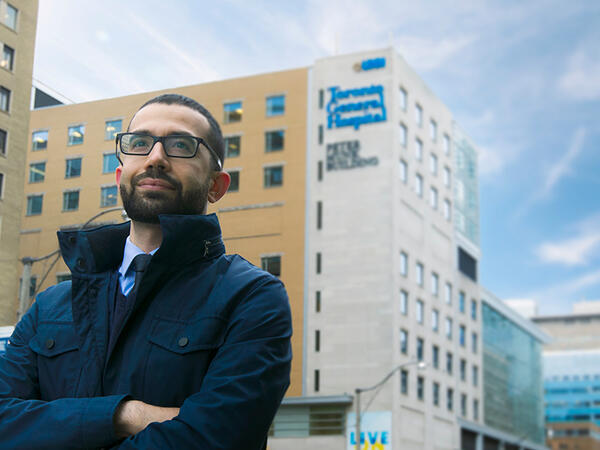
131 251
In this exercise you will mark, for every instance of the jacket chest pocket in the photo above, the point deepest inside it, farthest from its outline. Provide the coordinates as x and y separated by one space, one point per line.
179 356
58 361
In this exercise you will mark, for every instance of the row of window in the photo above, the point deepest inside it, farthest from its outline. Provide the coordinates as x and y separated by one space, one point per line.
75 134
433 192
272 177
108 197
433 168
234 111
37 170
274 142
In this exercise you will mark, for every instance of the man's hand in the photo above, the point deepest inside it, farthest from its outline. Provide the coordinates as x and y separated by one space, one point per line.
132 416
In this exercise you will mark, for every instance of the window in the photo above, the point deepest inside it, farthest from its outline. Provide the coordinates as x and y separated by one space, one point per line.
467 265
34 204
233 146
271 264
476 409
403 264
433 163
274 140
234 186
404 302
233 112
463 370
435 284
448 327
275 105
446 144
4 99
419 185
111 128
37 172
317 340
8 58
432 129
463 405
10 16
420 388
39 140
318 265
70 201
446 176
420 349
420 274
403 135
474 342
404 382
448 293
317 380
403 98
449 364
447 209
435 320
435 357
404 341
461 301
418 149
73 168
403 171
449 399
320 171
109 162
108 196
273 176
318 301
433 197
3 136
461 335
319 215
475 375
75 135
321 98
436 394
420 308
473 309
320 134
418 114
1 185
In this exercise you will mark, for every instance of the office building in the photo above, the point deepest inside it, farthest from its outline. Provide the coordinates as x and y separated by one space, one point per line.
18 20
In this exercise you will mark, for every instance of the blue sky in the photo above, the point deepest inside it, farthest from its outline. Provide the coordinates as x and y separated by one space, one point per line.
522 78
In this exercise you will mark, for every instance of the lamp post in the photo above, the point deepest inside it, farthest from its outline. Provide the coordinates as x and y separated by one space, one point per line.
28 262
420 365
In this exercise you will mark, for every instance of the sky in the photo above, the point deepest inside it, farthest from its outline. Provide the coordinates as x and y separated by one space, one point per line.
521 78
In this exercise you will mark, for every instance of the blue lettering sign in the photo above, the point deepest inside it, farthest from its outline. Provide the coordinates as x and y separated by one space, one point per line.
370 64
348 108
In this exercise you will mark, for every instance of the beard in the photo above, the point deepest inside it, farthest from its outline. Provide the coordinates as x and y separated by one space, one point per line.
146 207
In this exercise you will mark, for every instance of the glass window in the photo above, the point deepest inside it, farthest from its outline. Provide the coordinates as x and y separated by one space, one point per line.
321 98
233 146
233 112
404 302
461 301
8 57
403 171
474 342
37 172
271 264
109 163
448 327
420 274
433 197
275 105
318 301
446 144
463 405
404 341
3 136
435 356
448 292
435 320
34 204
10 16
274 140
4 99
317 340
73 168
449 363
433 163
420 388
475 375
403 98
435 284
447 209
476 409
436 394
76 134
111 128
420 308
234 186
317 380
273 176
71 201
418 149
403 264
418 114
1 185
461 335
463 369
404 382
318 263
403 135
446 176
420 349
419 185
433 129
39 140
473 309
108 196
321 134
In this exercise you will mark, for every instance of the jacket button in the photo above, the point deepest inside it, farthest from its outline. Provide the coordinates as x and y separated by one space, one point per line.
49 343
183 341
72 239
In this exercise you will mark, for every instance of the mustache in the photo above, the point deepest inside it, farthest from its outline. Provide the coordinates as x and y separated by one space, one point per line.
156 174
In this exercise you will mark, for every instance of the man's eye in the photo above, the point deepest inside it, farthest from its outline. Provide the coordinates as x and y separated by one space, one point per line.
137 143
181 144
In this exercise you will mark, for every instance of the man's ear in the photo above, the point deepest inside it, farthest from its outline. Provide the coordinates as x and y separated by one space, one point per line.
219 186
118 171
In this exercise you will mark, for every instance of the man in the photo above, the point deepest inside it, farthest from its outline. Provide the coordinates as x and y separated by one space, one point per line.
187 348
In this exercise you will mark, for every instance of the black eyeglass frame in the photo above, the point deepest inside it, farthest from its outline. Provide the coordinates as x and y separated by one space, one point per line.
161 139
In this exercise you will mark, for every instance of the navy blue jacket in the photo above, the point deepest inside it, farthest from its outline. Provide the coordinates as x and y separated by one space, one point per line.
209 333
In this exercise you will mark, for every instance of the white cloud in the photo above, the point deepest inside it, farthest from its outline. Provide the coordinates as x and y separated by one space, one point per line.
575 251
581 80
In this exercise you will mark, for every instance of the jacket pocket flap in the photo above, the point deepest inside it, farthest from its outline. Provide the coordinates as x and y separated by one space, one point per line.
54 339
183 337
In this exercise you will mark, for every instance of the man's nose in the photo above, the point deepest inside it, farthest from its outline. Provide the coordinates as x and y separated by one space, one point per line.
157 157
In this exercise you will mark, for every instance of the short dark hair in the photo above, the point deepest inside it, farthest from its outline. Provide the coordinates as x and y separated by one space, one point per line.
214 137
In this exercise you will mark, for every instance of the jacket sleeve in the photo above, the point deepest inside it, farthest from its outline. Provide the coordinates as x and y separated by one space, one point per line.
243 386
29 423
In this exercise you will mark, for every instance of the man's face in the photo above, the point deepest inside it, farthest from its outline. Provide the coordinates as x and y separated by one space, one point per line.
157 184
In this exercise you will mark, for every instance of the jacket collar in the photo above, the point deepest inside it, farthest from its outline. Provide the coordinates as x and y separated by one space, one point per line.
185 238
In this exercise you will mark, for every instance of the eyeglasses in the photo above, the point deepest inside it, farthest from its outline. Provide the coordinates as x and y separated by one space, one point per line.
175 145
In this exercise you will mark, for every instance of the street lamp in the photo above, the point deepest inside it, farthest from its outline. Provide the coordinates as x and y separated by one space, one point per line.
420 366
